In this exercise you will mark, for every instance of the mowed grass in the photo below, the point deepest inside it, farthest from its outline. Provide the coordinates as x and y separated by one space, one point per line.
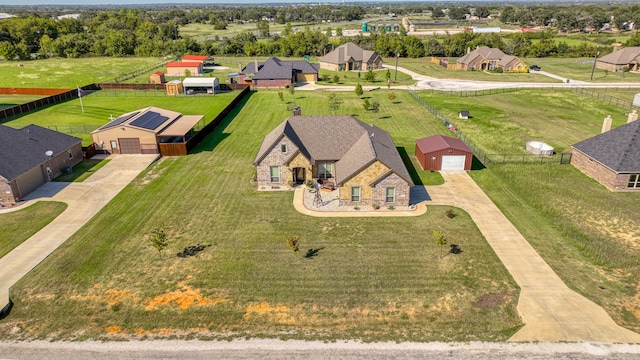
352 78
370 278
67 117
7 101
503 123
19 225
68 73
82 170
580 69
424 66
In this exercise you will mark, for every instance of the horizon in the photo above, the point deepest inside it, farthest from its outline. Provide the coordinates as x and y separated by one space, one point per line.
133 3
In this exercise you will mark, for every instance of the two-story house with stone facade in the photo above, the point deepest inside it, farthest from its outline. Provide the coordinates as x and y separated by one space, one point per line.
360 160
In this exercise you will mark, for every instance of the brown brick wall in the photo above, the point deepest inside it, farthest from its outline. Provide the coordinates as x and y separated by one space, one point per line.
599 172
391 181
275 158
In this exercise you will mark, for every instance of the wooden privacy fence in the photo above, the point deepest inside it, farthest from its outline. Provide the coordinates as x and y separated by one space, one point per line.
484 158
40 103
181 149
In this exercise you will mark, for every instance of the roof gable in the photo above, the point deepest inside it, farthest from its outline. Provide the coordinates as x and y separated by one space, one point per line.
23 149
617 149
274 68
344 52
439 142
622 57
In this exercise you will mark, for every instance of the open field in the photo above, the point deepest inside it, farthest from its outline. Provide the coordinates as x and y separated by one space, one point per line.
68 73
67 117
503 123
13 100
106 282
588 234
580 69
19 225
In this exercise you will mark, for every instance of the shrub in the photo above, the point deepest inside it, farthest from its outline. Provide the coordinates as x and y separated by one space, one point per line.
375 206
356 208
293 242
391 96
391 207
450 214
336 79
366 105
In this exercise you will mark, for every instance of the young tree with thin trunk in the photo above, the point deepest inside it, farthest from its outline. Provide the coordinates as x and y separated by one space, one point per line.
440 240
358 90
159 240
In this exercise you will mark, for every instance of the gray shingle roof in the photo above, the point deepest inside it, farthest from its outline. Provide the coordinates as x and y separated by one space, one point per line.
342 53
618 149
622 57
486 53
23 149
344 139
274 68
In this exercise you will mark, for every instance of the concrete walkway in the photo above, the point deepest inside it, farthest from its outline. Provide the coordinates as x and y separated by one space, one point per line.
549 309
84 200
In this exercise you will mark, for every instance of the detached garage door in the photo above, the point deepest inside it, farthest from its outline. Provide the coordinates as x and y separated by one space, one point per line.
304 77
129 146
453 162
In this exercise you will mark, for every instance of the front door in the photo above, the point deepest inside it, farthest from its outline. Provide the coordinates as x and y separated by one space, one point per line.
299 175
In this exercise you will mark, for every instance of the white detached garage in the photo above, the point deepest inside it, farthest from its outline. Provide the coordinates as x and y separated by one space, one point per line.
201 85
443 153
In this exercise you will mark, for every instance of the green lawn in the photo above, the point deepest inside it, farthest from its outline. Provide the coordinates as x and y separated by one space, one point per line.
580 69
82 170
19 225
7 101
425 67
68 73
503 123
68 118
352 78
370 278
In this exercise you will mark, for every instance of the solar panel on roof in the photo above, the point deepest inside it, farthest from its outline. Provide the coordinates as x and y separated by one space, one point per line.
120 120
150 120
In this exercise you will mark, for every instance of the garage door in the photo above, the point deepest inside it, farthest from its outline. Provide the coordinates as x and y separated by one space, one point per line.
453 162
129 146
304 77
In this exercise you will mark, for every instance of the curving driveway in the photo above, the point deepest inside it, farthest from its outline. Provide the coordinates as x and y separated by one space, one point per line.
549 309
84 200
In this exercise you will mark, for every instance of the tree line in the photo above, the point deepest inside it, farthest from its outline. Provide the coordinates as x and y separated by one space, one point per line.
139 32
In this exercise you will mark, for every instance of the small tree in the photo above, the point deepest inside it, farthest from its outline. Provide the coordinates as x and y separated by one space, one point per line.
338 31
334 103
358 90
440 240
187 73
293 242
336 78
391 96
281 95
159 240
387 75
370 76
366 105
328 31
375 106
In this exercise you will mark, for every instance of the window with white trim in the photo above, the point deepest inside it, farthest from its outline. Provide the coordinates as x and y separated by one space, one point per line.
390 195
275 174
355 193
634 181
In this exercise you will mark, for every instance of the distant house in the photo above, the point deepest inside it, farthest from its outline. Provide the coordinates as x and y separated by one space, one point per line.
486 58
350 56
275 73
621 60
31 156
178 68
143 131
612 158
443 153
359 159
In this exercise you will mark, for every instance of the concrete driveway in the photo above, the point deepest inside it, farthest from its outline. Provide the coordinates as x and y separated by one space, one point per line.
549 309
84 200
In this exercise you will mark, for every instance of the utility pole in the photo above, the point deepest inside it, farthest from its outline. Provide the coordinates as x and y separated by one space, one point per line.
595 58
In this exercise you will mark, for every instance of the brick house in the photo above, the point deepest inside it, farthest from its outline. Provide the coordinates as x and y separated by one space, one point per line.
621 60
350 56
276 73
31 156
359 159
612 158
486 58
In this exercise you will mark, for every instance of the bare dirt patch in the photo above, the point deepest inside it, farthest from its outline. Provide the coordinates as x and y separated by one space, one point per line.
490 301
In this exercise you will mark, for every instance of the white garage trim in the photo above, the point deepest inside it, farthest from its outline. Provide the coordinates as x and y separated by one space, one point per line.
453 162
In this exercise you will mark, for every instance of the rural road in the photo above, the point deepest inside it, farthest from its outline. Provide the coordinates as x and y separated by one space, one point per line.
294 349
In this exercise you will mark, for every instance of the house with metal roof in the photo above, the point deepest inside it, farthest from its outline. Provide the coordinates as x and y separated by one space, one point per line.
612 158
31 156
275 73
626 59
486 58
350 56
144 131
179 68
358 159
